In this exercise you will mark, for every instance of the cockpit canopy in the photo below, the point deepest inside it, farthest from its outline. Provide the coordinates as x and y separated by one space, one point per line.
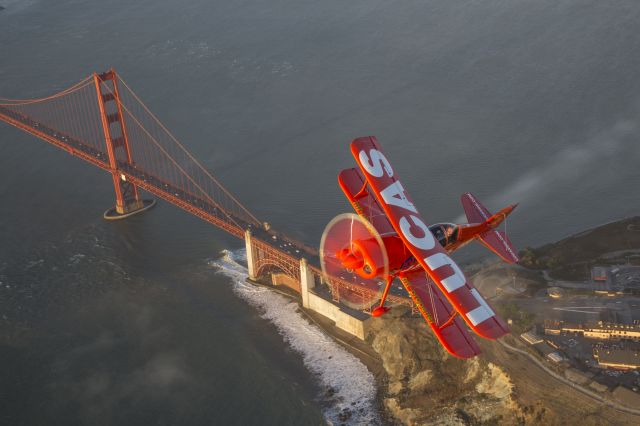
445 233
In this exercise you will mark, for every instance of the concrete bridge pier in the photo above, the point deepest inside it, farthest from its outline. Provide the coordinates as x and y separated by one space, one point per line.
299 276
251 266
128 202
117 212
307 282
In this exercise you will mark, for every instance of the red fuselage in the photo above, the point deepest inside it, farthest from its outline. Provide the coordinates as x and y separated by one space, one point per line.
364 259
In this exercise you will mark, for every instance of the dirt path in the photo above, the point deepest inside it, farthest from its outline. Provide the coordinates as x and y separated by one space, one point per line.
571 384
549 399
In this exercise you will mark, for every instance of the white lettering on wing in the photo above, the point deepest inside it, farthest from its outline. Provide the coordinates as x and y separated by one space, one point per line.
377 164
426 242
395 196
452 282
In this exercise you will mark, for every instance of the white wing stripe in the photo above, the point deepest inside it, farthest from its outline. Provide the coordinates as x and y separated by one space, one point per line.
482 312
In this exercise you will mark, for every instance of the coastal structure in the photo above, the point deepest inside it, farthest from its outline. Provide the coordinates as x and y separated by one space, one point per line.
616 279
542 347
531 338
599 330
317 293
619 358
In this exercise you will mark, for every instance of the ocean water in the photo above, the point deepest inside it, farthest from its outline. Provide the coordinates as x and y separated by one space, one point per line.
530 101
92 333
352 387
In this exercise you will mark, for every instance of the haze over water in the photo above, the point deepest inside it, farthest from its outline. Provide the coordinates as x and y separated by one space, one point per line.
533 101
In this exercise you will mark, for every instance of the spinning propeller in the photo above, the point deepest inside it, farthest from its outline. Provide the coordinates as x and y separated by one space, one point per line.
353 251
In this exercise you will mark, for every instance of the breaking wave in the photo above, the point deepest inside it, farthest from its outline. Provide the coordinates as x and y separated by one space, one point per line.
350 387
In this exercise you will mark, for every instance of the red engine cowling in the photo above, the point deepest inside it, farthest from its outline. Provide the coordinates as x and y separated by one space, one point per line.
366 258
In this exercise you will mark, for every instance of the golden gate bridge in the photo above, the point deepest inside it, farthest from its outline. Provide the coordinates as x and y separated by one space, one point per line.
102 121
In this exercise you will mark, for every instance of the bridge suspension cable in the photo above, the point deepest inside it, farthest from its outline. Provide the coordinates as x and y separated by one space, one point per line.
195 160
102 120
77 86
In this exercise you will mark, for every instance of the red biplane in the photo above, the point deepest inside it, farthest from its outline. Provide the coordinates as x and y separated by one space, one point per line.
399 244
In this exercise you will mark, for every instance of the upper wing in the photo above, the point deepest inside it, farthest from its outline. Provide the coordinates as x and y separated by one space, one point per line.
355 187
437 311
406 221
427 297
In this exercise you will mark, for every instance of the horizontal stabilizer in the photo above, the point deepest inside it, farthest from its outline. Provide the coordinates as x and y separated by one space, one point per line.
498 242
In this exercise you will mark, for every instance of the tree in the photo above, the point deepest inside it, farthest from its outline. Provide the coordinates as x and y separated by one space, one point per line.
528 257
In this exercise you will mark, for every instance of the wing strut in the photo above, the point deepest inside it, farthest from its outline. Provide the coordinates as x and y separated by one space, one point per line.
449 321
362 192
433 304
382 309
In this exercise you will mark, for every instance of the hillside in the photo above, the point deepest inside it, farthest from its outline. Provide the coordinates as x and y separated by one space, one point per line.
425 385
572 257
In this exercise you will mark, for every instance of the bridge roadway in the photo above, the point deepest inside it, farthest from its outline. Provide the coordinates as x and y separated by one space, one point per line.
200 206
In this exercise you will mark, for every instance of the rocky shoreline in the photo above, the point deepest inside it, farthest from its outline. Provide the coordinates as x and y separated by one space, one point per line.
419 383
426 385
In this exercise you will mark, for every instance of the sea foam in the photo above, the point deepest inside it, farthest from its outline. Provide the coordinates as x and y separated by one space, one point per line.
351 390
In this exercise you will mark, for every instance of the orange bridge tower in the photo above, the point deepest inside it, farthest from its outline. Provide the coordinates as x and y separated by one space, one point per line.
128 201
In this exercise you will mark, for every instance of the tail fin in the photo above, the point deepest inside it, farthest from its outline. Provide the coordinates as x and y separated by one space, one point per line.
496 241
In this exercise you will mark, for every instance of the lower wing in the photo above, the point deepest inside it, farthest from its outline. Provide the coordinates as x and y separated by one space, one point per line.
445 322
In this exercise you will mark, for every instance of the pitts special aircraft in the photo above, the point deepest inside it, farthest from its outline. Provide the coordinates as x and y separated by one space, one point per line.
390 240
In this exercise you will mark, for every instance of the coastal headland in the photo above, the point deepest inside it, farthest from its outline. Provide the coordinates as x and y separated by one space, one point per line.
419 383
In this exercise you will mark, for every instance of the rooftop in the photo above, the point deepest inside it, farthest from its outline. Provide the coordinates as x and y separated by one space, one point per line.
617 357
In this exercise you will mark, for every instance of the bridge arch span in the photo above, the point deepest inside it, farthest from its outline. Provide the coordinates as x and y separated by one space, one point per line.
267 259
270 265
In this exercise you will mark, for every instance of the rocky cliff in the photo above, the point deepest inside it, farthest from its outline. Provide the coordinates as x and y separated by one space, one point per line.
425 385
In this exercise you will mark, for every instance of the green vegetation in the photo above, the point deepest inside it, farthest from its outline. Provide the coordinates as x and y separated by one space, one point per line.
528 257
522 320
537 259
572 258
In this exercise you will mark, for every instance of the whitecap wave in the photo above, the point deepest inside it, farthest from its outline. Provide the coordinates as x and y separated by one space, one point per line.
350 387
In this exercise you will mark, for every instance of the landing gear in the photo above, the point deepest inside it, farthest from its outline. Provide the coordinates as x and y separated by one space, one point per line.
381 310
